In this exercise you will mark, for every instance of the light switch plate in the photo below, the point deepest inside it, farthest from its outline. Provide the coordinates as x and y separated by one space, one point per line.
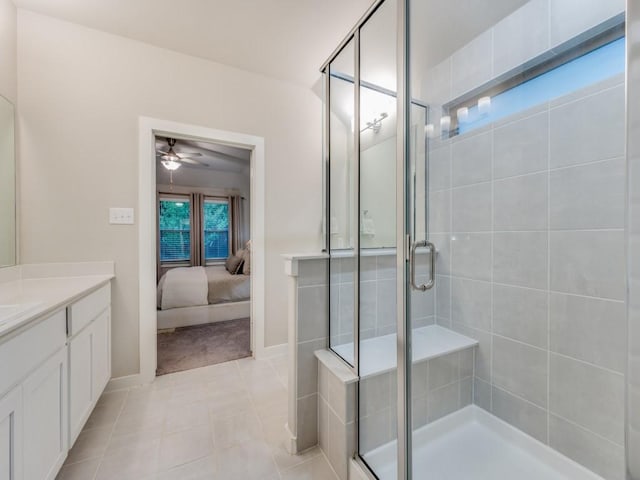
121 216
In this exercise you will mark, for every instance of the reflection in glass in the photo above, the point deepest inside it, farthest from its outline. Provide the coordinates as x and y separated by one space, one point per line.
7 185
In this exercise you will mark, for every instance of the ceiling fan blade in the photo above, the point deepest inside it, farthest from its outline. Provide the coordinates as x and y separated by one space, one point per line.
193 161
160 152
189 154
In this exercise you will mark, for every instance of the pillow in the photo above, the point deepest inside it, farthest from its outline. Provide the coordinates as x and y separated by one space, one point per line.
246 264
233 264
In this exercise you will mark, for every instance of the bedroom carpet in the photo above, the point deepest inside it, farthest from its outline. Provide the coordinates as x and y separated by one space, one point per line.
201 345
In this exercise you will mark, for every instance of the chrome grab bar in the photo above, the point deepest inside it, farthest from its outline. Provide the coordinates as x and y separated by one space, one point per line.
412 265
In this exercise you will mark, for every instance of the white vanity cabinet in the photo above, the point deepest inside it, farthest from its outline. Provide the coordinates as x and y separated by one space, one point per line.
44 395
11 435
89 356
52 372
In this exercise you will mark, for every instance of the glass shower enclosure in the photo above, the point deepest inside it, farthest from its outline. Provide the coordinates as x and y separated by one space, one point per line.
475 219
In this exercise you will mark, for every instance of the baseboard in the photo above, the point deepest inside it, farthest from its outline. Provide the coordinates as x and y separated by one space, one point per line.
273 351
292 442
121 383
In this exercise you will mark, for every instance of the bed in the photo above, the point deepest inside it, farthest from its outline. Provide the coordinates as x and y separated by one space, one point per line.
197 295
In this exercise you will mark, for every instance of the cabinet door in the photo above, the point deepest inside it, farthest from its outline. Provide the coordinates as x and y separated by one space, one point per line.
45 419
80 382
101 353
11 435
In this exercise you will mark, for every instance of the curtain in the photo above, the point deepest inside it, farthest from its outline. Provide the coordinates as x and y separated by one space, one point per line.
235 223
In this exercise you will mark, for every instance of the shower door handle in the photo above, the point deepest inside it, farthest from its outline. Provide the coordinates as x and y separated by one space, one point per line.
412 265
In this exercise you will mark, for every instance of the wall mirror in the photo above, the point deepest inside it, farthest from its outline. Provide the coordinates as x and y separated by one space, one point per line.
7 185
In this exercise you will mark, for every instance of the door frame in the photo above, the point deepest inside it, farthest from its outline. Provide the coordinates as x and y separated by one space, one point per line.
149 128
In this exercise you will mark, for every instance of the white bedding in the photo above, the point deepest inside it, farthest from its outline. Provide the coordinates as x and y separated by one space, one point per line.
183 287
198 286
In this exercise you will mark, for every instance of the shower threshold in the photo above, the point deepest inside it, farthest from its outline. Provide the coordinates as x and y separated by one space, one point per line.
472 444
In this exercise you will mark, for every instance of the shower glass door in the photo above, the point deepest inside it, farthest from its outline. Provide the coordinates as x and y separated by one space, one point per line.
377 393
515 181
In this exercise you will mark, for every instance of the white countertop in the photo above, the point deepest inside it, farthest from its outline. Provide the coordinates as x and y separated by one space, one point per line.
25 300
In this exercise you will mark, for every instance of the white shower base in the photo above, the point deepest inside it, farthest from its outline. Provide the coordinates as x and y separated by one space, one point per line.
472 444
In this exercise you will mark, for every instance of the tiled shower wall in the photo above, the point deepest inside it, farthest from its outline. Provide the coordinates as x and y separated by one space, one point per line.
377 296
528 215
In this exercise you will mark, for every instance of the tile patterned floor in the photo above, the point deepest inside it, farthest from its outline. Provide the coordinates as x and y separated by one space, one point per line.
222 422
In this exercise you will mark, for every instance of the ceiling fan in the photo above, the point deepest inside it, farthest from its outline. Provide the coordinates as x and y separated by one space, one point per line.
172 160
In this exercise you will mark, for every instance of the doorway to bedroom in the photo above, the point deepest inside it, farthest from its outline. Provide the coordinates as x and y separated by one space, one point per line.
203 245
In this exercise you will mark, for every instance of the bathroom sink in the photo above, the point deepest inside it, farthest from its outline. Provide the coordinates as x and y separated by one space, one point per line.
12 311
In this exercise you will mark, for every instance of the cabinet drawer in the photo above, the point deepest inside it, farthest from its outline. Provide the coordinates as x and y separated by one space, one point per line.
26 351
84 311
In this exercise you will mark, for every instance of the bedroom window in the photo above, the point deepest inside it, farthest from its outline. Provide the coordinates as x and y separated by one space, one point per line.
175 229
215 229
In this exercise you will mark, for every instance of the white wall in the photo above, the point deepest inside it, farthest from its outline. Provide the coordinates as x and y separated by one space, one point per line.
78 87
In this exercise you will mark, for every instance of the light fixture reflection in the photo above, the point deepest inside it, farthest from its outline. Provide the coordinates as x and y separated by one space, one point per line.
462 114
484 105
429 130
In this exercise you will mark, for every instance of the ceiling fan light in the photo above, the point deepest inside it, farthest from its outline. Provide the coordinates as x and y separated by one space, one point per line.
170 165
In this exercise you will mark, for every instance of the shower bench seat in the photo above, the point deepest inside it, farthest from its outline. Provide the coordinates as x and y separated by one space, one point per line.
442 374
378 354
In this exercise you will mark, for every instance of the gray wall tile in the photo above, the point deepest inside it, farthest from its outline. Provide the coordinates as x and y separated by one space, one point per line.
521 314
375 394
443 401
312 313
524 415
472 159
571 17
471 209
483 350
323 424
375 430
440 211
307 370
470 255
520 203
465 362
419 379
470 67
466 392
368 305
439 168
588 263
587 395
345 307
443 370
597 454
386 292
312 272
443 297
589 129
525 31
589 329
588 196
521 147
443 246
482 394
520 258
471 303
520 369
307 422
422 303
